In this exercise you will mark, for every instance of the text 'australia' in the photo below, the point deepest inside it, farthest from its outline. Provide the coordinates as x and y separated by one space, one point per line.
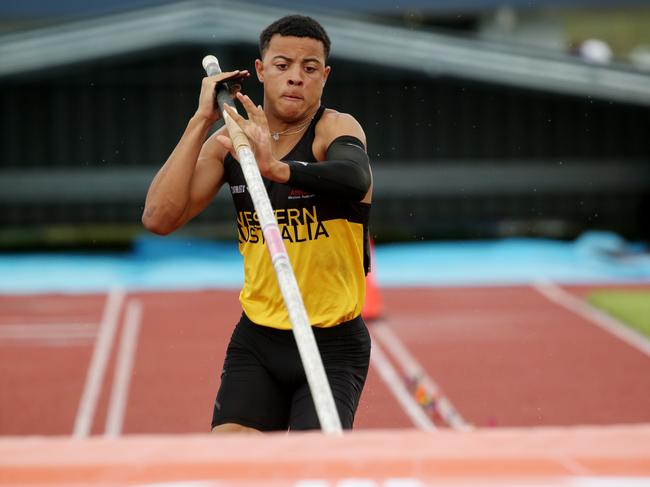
296 225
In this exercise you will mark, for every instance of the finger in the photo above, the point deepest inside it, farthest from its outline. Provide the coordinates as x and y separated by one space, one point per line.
227 143
235 83
232 113
255 112
243 74
262 117
239 73
224 75
252 109
247 102
247 127
255 116
234 89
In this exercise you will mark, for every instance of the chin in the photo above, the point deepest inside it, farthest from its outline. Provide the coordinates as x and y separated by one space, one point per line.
293 111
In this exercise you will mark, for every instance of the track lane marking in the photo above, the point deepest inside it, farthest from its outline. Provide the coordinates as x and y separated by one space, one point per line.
395 384
123 369
97 368
20 331
416 374
565 299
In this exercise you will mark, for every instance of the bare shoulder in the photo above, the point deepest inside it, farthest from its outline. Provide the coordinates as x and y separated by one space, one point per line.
334 124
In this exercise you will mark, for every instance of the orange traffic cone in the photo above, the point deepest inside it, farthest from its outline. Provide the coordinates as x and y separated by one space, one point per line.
373 308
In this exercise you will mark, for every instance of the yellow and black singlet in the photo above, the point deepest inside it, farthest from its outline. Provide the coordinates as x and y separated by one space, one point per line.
326 239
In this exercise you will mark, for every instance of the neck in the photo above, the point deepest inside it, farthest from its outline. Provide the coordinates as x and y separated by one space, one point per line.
278 127
279 122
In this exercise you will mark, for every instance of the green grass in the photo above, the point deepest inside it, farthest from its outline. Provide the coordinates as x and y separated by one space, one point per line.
630 307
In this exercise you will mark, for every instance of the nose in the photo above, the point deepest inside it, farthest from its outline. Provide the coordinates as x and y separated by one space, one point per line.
295 77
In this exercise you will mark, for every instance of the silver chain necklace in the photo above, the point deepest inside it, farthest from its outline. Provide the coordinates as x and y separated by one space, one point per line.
301 127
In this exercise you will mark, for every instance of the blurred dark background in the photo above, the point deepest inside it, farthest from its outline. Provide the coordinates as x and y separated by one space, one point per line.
485 121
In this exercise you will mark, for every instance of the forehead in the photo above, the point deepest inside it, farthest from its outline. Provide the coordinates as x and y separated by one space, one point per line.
295 47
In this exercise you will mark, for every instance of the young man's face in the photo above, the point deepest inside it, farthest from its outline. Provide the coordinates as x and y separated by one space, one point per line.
293 72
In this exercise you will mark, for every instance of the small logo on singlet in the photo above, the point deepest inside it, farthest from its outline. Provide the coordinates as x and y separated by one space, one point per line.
238 189
296 193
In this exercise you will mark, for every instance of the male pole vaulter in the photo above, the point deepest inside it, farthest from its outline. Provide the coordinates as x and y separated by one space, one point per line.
317 175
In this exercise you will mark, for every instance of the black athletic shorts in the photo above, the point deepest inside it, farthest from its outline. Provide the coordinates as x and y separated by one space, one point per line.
263 383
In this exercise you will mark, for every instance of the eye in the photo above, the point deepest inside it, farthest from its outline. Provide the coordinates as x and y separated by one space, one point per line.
310 69
281 66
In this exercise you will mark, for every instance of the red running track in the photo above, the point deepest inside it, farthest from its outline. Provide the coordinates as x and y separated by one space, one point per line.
504 356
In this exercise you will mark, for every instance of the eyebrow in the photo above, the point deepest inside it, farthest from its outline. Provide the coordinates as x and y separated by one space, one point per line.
312 59
306 60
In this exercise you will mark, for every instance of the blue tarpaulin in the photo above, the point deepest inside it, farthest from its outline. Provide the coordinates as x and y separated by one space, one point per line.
169 263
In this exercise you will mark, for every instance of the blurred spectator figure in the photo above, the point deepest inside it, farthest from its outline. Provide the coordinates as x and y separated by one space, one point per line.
593 51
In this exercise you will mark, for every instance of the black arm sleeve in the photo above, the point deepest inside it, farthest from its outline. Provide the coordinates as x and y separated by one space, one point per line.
345 173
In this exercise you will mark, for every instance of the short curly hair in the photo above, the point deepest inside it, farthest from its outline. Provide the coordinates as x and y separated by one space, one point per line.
296 26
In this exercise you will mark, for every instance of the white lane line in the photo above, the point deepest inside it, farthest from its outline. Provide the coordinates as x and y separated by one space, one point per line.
97 369
64 330
56 342
559 296
124 369
47 336
416 375
396 386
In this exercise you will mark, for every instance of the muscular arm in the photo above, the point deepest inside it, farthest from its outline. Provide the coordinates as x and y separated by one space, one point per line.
187 182
344 173
344 170
193 173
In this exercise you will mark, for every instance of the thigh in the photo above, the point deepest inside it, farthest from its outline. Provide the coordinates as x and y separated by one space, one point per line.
346 360
227 428
249 396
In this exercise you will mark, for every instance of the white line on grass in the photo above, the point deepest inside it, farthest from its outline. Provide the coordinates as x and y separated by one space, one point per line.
397 387
556 294
97 369
123 369
412 369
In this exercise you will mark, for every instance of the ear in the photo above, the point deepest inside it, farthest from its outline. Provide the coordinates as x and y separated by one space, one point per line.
259 69
326 73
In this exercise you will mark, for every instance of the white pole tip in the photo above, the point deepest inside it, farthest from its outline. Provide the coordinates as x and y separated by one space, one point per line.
209 59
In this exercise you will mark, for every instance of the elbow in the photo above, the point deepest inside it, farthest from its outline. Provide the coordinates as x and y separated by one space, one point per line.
366 182
361 186
155 225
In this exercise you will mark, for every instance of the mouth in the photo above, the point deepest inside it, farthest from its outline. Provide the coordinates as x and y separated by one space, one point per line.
292 97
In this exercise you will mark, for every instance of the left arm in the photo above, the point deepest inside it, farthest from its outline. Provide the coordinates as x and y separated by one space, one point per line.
345 171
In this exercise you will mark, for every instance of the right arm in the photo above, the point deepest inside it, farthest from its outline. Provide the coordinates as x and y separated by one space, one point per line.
193 173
